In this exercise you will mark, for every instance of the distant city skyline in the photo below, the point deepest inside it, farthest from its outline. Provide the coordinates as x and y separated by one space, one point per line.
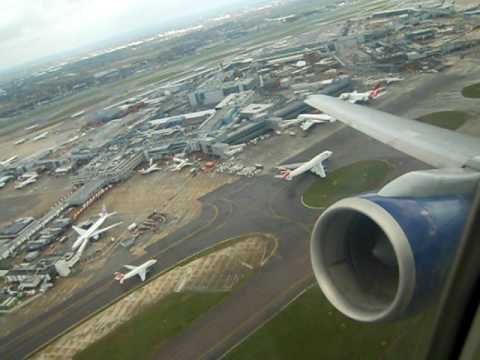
32 30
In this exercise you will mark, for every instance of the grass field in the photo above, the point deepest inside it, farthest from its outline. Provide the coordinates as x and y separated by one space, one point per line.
146 332
450 120
310 328
472 91
141 336
347 181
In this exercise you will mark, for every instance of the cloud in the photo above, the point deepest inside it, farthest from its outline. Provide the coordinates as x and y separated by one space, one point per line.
31 30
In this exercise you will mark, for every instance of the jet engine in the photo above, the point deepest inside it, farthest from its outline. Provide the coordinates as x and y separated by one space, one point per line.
383 256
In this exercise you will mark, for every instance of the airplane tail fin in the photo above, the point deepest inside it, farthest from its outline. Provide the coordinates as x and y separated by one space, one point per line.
104 211
284 175
119 276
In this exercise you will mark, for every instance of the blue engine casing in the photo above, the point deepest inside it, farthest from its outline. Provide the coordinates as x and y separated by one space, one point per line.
419 234
433 227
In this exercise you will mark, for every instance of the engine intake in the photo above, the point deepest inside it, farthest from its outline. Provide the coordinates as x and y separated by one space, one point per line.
380 258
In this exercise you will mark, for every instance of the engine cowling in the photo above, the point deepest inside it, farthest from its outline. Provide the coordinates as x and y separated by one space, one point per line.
380 257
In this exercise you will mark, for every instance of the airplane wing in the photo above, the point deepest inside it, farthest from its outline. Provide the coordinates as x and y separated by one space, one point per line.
432 145
130 267
101 231
143 274
319 170
79 231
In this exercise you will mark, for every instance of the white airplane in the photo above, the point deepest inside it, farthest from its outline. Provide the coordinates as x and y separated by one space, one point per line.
152 167
20 141
28 180
356 97
180 163
310 120
140 270
92 231
306 121
321 118
290 171
8 161
71 140
32 127
391 80
40 136
412 227
235 149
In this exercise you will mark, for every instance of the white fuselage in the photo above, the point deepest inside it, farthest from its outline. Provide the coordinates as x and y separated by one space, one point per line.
149 170
8 161
82 239
20 141
355 97
181 163
308 165
317 117
41 136
26 182
137 271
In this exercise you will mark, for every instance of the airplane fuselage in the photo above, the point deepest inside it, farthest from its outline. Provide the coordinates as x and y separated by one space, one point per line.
90 231
136 271
149 170
308 165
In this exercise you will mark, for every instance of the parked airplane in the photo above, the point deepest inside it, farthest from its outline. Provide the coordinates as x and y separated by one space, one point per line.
92 231
394 248
321 118
310 120
28 128
180 163
8 161
235 149
140 270
152 167
40 136
391 80
20 141
26 180
306 121
290 171
356 97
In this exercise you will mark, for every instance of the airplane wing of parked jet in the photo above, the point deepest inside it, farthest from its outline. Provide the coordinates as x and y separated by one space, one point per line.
141 272
433 145
101 231
79 231
319 170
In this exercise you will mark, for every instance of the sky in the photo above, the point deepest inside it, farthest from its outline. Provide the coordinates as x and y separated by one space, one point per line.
33 29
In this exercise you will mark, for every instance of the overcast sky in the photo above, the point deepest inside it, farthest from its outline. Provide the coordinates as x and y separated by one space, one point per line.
33 29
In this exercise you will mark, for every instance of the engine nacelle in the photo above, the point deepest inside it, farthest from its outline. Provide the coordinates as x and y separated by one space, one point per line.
380 257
